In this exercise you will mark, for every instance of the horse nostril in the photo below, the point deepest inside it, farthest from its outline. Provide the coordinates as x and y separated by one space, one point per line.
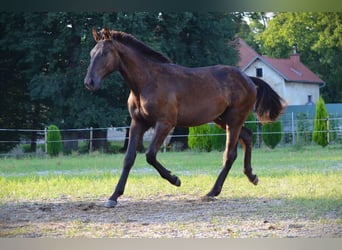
91 83
88 83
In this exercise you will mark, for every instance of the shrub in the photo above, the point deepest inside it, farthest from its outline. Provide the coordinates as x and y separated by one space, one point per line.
54 141
320 133
303 137
218 138
199 139
252 125
271 133
333 127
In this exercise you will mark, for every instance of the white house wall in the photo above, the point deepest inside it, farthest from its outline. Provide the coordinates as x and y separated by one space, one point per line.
269 75
297 93
293 92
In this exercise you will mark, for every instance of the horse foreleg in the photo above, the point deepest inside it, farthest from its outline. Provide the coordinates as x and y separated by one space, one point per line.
136 133
229 157
246 138
160 133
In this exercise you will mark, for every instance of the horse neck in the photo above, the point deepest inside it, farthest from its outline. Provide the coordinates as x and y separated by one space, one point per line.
133 67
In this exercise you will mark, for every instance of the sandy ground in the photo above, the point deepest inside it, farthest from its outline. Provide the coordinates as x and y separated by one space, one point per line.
166 217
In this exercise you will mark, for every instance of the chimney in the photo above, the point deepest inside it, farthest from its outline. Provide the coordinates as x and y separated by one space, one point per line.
295 58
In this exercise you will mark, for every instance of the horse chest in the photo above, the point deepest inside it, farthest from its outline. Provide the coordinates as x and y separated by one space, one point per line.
140 109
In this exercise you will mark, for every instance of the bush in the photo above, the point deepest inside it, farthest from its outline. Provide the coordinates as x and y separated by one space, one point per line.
218 138
333 127
252 125
54 141
271 133
303 136
320 133
199 139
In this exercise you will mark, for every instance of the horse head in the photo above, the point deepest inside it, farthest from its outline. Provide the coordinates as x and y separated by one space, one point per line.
104 59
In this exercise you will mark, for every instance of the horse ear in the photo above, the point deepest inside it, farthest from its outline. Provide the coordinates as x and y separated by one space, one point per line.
96 35
106 34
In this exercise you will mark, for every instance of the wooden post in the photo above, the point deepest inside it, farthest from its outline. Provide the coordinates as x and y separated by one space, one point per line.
328 130
293 128
91 140
45 139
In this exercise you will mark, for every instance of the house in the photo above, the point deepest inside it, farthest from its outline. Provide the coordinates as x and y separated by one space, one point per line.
291 79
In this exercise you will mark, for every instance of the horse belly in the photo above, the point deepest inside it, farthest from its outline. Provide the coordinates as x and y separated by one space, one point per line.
200 112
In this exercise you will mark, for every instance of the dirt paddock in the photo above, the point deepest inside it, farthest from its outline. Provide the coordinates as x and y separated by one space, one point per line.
166 217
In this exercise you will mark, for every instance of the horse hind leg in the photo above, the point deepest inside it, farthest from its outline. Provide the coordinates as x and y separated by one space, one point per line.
160 132
246 139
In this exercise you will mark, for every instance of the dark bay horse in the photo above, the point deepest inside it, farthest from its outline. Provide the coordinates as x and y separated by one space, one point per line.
164 95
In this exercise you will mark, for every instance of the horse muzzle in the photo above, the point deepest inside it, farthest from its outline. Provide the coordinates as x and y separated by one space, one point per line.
90 84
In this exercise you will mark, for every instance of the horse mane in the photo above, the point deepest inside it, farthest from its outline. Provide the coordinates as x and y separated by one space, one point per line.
131 41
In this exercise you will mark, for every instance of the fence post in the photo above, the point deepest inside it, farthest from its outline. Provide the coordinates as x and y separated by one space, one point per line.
45 139
328 130
293 129
91 140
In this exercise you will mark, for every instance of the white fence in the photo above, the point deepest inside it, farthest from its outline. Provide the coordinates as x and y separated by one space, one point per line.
294 130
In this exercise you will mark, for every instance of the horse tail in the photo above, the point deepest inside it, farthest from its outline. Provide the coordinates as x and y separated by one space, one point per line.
269 105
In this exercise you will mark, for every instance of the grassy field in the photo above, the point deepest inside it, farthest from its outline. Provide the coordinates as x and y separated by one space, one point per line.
298 188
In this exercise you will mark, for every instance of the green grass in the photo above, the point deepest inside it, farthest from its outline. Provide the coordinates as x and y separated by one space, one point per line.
305 174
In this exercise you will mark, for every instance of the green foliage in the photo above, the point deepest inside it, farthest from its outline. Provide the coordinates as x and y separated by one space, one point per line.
333 127
252 125
272 133
319 42
320 133
54 141
303 137
218 138
197 39
199 139
45 58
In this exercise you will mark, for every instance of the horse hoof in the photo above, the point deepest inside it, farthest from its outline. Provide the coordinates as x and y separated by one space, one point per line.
178 182
256 180
110 204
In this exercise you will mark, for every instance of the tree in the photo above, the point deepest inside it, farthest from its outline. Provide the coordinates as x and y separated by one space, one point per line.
20 59
198 39
320 133
46 54
319 42
271 133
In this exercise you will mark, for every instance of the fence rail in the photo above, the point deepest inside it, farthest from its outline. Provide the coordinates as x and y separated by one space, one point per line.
293 129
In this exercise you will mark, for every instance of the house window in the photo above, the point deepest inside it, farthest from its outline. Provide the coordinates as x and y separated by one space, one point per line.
310 102
258 72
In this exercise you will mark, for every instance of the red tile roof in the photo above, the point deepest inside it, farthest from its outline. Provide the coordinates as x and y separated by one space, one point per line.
291 69
247 54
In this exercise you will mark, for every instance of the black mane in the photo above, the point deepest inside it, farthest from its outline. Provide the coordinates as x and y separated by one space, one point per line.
131 41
